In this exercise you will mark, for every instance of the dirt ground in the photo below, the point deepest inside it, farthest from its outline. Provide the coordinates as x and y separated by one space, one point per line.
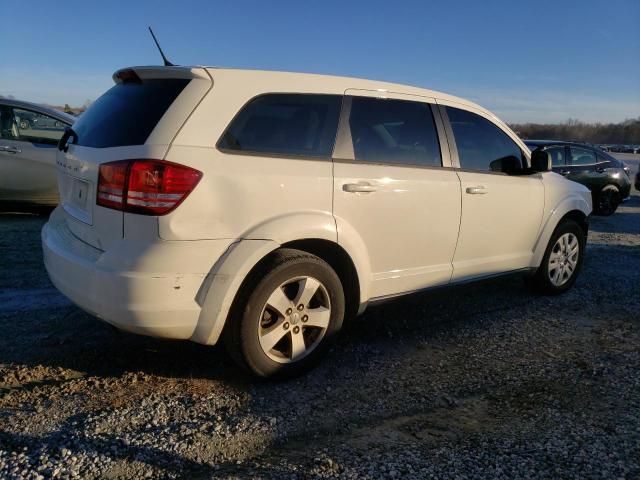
484 381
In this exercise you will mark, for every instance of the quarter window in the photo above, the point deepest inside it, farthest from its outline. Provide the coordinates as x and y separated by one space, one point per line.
582 156
285 124
393 131
482 145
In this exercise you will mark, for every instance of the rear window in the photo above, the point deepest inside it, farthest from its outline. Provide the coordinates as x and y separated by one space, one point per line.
285 124
127 113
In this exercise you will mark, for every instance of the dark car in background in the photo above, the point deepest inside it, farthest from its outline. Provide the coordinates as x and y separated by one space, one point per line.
607 177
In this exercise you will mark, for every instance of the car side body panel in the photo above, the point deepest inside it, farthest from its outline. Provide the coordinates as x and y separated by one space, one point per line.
561 197
219 290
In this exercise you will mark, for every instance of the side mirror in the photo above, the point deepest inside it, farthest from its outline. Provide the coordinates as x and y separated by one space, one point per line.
540 161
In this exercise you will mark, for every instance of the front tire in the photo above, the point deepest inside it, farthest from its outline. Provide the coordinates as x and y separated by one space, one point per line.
286 315
562 259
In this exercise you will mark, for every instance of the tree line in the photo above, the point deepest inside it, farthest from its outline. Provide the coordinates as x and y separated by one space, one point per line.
626 133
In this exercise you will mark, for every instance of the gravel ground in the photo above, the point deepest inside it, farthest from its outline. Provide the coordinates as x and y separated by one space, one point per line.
484 381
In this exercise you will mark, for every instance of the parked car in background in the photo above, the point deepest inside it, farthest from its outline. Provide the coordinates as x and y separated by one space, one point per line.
607 177
263 208
637 182
29 134
621 148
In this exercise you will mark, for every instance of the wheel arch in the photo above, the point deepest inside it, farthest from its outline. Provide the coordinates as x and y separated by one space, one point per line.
573 207
579 217
341 262
229 276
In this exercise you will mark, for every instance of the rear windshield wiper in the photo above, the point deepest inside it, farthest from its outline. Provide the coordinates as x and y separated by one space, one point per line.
63 144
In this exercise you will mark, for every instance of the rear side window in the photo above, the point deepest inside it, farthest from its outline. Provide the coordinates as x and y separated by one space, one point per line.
393 131
285 124
127 113
582 156
482 145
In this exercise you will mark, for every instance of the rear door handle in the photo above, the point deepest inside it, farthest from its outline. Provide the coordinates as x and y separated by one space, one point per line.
564 172
476 190
9 149
363 187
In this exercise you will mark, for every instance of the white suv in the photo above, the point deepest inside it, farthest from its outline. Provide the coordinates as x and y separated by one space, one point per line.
265 207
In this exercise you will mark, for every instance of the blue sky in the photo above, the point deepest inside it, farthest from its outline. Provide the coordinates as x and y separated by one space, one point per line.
525 60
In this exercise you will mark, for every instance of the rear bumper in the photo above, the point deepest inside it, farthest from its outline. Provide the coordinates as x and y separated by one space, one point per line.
150 289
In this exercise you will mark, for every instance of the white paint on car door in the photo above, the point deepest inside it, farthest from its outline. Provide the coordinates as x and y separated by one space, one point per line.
502 205
27 172
501 217
405 216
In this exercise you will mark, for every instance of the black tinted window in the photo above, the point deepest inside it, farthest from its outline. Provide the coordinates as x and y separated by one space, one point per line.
127 113
393 131
285 124
482 145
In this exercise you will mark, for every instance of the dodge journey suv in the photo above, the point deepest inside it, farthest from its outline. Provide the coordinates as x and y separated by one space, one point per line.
264 208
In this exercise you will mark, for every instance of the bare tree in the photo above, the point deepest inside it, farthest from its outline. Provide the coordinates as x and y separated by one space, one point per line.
627 132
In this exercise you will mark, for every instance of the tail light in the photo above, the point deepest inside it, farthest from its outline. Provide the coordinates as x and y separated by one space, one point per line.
147 187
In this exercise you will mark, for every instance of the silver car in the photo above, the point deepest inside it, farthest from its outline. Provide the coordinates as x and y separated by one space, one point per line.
29 134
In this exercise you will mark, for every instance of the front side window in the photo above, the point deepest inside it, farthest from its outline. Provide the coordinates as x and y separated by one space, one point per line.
582 156
482 145
394 131
37 127
285 124
557 155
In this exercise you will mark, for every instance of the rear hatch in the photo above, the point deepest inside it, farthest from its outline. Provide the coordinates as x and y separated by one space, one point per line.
135 119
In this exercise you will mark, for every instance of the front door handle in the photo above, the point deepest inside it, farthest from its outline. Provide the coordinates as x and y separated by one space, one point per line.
477 190
9 149
564 172
363 187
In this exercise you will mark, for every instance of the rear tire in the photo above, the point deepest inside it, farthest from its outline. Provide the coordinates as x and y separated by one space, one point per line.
607 200
285 315
562 259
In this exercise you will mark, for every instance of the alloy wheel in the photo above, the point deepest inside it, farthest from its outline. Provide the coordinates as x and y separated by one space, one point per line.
563 259
294 319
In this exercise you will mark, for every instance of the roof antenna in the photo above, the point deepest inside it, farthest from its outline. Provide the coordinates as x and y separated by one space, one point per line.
167 63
